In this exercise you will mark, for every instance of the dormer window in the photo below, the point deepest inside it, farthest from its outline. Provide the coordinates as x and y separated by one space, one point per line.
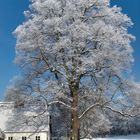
37 138
24 138
10 138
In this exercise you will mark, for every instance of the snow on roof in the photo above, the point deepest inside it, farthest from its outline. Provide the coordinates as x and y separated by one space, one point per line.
6 109
8 103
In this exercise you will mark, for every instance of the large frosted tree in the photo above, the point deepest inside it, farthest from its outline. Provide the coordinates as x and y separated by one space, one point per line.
76 53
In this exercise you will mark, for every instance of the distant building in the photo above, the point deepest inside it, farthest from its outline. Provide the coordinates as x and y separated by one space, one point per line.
6 112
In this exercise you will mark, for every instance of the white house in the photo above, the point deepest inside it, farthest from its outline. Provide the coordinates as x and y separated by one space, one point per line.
6 112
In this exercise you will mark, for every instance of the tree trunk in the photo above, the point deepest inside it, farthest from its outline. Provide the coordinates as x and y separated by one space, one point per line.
75 123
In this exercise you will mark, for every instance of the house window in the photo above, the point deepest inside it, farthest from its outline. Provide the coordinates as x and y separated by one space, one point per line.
37 138
24 138
10 138
1 138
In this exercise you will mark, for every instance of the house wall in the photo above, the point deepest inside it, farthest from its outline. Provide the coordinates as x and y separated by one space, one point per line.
29 135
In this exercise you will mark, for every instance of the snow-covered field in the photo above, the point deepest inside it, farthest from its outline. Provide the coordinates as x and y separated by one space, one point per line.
131 137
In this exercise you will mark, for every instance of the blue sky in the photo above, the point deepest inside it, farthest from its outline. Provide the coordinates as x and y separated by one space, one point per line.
11 15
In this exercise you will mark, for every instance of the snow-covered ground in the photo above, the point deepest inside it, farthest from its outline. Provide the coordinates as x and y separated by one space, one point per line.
131 137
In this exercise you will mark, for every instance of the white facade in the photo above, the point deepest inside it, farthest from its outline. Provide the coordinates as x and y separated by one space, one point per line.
6 111
27 136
